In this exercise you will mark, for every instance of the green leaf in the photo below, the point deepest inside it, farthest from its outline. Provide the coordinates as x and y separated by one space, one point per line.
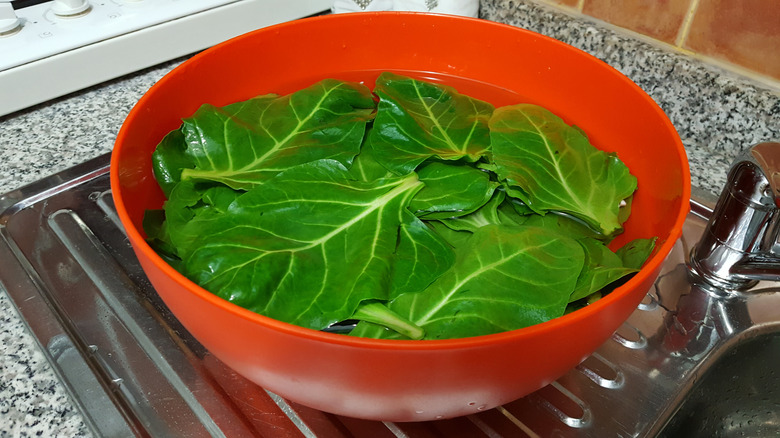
418 120
505 278
451 191
169 159
220 198
454 238
488 214
562 224
308 246
156 230
422 256
635 253
377 313
245 143
552 166
625 209
519 207
190 204
365 167
602 267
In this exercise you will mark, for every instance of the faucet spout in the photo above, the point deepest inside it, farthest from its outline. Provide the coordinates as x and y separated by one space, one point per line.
757 267
736 249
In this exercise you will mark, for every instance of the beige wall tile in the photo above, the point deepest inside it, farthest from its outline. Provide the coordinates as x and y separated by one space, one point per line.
744 32
660 19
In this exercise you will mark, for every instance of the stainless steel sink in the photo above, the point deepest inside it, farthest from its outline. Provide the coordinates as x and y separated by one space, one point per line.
739 393
729 315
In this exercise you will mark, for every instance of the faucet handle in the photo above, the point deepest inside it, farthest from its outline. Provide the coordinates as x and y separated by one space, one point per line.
744 223
767 157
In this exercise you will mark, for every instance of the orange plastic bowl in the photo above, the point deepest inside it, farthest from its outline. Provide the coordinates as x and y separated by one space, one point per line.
407 380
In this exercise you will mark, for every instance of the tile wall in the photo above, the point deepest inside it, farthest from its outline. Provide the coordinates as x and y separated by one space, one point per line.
740 34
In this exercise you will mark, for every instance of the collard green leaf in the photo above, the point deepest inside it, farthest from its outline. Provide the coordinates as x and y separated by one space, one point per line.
625 209
365 167
417 120
422 256
189 204
156 229
220 197
454 238
458 230
512 211
505 278
635 253
518 206
308 246
602 267
375 312
451 190
488 214
561 224
245 143
552 166
169 159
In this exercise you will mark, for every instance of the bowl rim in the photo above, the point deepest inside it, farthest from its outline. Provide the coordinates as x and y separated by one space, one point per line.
652 265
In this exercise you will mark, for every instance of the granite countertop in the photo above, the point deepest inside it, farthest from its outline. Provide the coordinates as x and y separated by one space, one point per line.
716 113
35 143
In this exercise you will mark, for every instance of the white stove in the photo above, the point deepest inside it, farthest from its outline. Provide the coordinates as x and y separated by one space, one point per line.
51 48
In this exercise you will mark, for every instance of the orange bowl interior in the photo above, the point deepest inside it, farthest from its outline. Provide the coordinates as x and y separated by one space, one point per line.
498 63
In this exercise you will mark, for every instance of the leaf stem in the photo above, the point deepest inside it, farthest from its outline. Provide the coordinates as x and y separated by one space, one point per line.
377 313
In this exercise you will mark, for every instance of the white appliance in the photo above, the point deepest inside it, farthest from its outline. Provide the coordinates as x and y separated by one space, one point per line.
51 48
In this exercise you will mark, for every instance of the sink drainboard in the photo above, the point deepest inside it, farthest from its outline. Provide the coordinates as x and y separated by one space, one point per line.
134 371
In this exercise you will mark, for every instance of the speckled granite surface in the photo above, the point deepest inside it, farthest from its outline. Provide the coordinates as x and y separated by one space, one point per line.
35 143
716 115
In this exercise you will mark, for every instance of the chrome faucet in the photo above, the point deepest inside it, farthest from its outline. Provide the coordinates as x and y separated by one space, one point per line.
737 248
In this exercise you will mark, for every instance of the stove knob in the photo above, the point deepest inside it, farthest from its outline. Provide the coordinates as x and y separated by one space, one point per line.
9 22
70 8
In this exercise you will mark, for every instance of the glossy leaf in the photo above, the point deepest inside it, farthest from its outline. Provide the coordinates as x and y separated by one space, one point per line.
488 214
417 120
376 313
156 229
635 253
420 257
561 224
552 166
243 144
505 278
365 167
454 238
309 245
450 191
169 159
189 204
602 267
